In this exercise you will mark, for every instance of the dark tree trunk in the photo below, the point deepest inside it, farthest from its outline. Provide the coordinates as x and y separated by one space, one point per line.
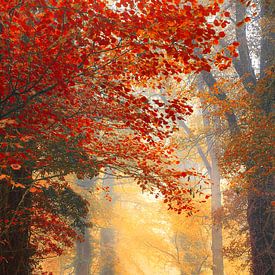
261 220
260 212
14 245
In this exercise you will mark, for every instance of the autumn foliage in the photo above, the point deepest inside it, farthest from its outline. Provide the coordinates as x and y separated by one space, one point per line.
73 75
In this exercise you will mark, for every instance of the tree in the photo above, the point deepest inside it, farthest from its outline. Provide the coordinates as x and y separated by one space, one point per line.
107 233
206 144
62 64
247 154
84 249
212 168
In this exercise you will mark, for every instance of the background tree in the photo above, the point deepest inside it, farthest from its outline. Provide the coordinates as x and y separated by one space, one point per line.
248 112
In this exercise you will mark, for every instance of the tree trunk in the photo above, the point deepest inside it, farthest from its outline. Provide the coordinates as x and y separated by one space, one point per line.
216 202
15 245
84 254
261 220
107 236
216 230
84 250
260 212
107 251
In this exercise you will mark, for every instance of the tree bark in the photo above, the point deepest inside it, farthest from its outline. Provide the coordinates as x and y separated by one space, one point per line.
15 240
216 202
216 230
260 215
261 220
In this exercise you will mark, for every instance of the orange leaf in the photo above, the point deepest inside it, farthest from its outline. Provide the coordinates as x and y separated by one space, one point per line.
16 166
3 176
35 190
18 185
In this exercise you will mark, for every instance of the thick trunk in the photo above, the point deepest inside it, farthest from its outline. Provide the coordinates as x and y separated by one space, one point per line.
261 220
14 245
260 212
